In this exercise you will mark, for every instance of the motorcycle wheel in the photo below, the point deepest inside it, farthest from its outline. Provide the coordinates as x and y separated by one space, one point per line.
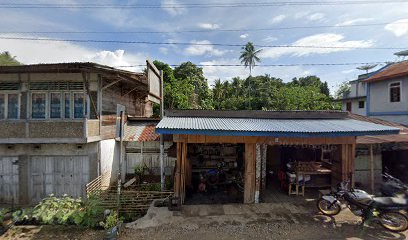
394 221
324 207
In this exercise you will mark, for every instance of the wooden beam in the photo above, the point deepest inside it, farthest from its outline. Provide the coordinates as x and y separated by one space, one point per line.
177 180
249 186
371 168
183 171
110 84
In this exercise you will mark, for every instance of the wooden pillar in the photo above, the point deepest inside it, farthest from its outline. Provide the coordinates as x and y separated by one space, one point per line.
258 162
249 191
183 171
372 169
177 180
347 162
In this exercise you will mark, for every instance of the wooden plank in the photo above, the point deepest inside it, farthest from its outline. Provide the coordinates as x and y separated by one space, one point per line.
177 183
249 191
183 173
371 168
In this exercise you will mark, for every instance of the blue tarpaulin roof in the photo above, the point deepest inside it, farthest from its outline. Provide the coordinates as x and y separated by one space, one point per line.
245 126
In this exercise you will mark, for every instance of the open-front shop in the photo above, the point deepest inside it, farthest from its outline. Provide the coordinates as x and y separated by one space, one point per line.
315 146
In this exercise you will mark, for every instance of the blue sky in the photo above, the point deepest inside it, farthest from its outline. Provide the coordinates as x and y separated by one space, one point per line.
176 19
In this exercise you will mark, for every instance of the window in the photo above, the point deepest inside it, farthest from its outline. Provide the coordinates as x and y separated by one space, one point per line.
12 106
2 106
38 104
79 105
67 108
395 92
55 105
361 104
9 105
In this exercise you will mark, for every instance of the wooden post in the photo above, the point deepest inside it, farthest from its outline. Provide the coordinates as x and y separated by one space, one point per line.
177 181
183 171
249 191
372 168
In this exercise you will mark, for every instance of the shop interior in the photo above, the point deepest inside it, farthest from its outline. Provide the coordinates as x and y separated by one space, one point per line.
217 172
298 168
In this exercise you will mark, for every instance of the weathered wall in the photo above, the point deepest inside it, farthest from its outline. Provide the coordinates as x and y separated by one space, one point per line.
34 160
109 158
401 119
148 153
15 129
354 107
56 129
380 99
363 168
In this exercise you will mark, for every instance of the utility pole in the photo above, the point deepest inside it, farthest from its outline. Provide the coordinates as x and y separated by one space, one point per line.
162 173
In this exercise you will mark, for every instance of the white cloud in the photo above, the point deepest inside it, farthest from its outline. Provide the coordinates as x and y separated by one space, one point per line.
243 36
399 28
277 19
32 52
205 49
173 7
210 26
270 39
325 39
354 21
316 16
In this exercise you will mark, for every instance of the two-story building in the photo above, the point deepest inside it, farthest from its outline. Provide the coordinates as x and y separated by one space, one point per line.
387 93
58 126
355 100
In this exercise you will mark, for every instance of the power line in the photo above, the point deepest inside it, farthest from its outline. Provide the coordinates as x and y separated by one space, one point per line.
267 65
197 44
204 30
199 5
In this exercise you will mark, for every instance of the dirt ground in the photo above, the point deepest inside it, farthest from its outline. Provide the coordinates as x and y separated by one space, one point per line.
51 233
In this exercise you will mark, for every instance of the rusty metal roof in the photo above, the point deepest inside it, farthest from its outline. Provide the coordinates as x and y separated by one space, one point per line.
394 70
393 138
141 131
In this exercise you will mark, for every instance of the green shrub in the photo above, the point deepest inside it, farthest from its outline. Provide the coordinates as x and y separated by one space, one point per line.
111 220
91 214
3 212
23 215
54 210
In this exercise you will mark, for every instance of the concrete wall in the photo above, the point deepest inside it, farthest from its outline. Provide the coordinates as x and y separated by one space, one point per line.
357 89
109 158
401 119
54 154
380 99
363 168
354 107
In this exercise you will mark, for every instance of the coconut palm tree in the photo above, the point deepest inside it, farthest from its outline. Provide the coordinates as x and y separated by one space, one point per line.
249 58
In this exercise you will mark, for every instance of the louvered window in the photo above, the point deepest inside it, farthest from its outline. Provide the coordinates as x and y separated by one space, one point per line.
9 86
56 86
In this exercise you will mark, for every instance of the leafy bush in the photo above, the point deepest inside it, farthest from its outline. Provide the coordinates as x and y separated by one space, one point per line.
54 210
91 214
3 212
23 215
111 220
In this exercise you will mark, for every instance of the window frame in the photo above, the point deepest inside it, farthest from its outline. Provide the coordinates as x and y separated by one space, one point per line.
359 106
73 104
46 116
389 91
49 104
6 103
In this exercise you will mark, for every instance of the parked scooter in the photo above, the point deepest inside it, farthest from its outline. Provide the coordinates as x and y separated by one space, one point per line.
391 212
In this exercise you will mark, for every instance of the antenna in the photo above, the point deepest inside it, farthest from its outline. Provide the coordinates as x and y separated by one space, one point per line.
367 67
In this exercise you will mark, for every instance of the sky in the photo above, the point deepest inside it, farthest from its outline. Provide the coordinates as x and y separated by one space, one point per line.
388 29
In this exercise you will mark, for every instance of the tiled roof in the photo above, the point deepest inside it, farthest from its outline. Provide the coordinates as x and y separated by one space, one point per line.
394 70
223 126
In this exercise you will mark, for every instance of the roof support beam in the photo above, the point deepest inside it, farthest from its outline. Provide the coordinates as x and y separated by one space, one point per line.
110 84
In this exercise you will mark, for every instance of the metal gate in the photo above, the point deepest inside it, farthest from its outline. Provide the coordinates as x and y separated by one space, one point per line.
58 175
9 186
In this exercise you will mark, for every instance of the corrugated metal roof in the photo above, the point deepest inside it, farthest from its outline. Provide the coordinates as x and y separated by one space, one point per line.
271 127
140 132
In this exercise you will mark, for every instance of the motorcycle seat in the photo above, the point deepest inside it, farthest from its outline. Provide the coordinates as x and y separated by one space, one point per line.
390 202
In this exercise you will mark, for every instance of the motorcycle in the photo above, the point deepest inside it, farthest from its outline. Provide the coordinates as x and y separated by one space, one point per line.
391 212
392 186
213 178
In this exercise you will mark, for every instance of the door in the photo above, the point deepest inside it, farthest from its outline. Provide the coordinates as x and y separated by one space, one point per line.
58 175
9 184
348 106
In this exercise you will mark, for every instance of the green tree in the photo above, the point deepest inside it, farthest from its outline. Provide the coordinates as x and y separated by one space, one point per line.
7 60
343 90
249 56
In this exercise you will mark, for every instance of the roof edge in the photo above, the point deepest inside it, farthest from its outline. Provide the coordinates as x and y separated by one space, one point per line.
258 114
